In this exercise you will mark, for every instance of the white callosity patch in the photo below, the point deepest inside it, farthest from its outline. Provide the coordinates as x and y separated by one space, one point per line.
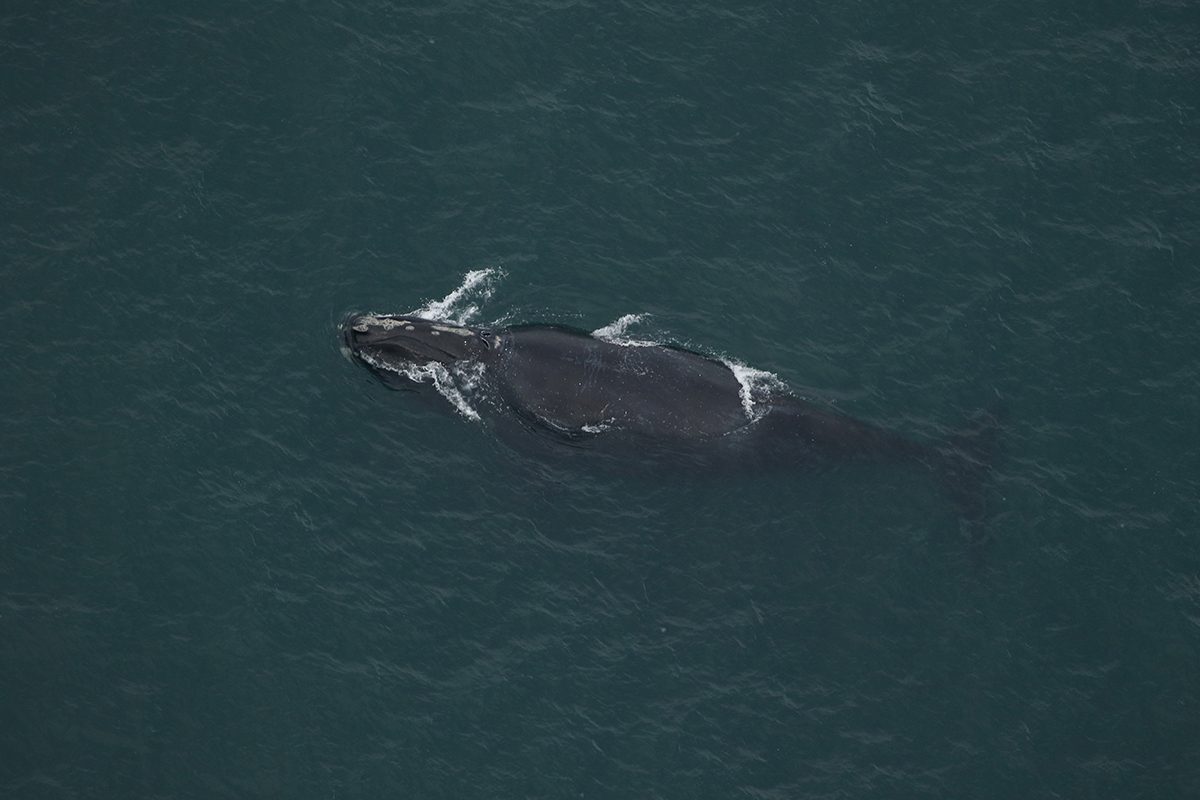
754 385
368 321
455 330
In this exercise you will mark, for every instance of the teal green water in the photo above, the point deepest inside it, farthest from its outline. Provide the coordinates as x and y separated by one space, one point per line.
232 565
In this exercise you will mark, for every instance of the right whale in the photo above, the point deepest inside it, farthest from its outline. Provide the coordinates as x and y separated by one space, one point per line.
651 401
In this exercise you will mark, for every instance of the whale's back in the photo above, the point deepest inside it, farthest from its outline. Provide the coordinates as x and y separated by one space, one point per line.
574 382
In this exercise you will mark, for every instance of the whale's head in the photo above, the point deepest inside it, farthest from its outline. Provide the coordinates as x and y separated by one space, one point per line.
397 344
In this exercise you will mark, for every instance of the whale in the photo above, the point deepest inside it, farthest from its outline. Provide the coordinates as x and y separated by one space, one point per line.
655 402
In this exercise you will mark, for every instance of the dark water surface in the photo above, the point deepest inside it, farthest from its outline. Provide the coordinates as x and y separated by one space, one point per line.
231 565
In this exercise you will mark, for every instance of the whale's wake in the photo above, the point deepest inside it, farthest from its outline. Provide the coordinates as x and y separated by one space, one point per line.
462 304
755 385
617 332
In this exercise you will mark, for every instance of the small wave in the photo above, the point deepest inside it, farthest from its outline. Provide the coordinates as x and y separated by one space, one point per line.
615 332
754 385
462 304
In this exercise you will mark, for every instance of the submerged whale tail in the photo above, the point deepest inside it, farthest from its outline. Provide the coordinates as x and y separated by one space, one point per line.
964 465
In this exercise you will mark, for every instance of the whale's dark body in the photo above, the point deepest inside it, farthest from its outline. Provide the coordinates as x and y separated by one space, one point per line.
652 400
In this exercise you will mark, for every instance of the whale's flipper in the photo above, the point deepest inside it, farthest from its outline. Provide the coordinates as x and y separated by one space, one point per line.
964 466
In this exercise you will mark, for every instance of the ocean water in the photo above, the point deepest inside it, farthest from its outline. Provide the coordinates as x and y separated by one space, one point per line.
233 565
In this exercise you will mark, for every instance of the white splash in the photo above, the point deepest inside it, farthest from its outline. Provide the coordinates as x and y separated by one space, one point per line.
462 304
754 384
469 378
446 381
615 332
